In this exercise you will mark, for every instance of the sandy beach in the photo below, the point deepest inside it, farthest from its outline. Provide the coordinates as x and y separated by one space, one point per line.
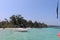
15 29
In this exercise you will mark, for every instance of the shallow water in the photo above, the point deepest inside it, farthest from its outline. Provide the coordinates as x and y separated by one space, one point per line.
32 34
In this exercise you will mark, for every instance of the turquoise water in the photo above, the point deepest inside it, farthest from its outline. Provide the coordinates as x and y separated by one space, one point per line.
32 34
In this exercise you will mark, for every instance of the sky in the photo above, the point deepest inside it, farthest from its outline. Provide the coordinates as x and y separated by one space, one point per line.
43 11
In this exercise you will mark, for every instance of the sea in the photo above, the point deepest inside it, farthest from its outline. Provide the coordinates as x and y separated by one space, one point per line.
31 34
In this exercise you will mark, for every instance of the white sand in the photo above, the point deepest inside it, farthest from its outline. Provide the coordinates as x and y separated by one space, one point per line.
15 29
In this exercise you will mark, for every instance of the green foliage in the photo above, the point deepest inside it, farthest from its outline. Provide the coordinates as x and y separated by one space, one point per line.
17 21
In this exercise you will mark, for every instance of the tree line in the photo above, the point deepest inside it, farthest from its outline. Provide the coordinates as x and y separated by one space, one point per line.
17 21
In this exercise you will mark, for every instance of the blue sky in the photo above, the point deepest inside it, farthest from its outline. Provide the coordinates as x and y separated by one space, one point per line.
35 10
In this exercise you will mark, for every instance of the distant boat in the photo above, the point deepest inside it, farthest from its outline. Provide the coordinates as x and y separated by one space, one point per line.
21 29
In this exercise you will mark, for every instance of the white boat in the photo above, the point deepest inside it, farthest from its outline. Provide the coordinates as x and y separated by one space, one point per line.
21 29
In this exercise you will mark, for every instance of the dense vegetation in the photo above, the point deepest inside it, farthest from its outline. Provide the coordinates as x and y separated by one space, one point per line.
17 21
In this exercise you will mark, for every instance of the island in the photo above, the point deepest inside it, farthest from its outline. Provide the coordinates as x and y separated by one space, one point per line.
17 21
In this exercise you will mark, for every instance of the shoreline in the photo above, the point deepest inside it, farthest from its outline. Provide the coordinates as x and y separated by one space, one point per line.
16 29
